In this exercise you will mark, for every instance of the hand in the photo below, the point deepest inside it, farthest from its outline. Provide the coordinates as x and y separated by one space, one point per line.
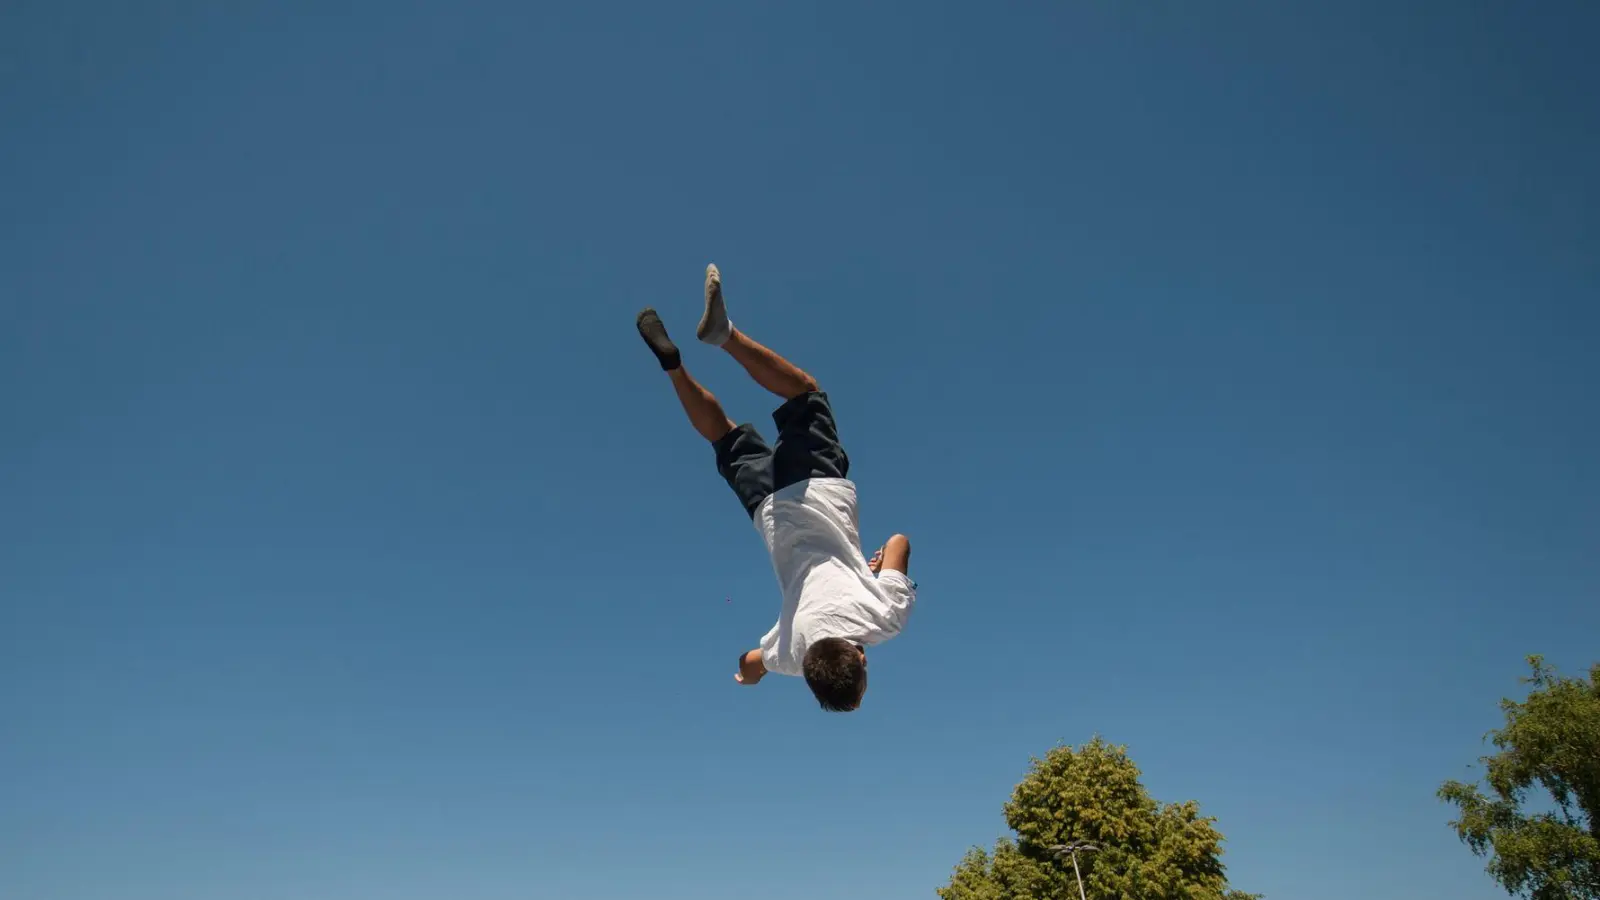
895 555
751 669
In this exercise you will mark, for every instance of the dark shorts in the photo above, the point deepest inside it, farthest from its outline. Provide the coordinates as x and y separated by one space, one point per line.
808 447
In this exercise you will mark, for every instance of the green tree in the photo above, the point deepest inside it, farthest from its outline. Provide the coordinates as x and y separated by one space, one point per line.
1539 822
1093 793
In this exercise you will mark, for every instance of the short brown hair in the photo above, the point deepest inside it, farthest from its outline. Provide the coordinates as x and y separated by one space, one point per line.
836 672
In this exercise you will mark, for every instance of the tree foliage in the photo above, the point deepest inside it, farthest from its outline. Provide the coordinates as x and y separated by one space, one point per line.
1544 847
1093 793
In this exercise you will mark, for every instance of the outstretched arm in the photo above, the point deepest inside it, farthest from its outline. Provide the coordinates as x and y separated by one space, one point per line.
895 554
751 668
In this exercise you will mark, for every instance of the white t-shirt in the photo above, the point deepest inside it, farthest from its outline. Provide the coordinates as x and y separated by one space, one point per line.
812 533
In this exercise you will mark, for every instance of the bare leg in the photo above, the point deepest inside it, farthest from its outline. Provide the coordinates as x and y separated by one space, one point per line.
770 370
705 413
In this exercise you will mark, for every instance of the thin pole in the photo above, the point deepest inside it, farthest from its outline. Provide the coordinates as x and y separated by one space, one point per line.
1073 848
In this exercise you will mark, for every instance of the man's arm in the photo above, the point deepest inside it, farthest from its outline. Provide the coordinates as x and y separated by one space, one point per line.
895 554
751 668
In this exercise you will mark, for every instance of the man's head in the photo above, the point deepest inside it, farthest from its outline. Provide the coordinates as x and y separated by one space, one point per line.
836 670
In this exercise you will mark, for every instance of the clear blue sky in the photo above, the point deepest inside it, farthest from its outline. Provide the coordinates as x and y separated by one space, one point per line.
1231 365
